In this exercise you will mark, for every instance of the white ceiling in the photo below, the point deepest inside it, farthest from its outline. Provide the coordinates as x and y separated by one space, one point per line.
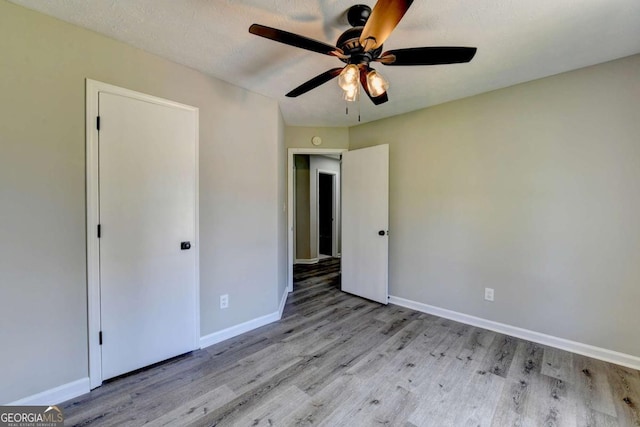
517 41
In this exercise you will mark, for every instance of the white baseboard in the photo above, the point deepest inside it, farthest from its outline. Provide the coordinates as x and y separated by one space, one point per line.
561 343
283 302
306 261
77 388
236 330
56 395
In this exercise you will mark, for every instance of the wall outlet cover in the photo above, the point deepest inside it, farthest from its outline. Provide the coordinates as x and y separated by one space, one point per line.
488 294
224 301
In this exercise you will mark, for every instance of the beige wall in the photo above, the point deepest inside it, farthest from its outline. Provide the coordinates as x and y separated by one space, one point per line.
303 242
533 190
43 310
300 137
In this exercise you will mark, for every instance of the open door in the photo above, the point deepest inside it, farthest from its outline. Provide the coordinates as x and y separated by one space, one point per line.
365 222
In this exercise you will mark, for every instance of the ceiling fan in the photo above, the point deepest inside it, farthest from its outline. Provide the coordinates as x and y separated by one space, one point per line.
361 45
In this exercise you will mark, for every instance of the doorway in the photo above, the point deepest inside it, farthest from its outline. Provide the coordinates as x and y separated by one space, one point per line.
365 176
326 215
304 166
316 225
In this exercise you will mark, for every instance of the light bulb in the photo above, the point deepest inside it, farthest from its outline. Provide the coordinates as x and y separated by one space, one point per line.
377 84
348 78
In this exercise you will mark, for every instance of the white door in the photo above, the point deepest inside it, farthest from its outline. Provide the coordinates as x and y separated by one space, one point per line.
147 184
365 222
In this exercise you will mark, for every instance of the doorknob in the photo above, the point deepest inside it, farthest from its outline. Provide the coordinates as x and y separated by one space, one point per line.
185 246
381 233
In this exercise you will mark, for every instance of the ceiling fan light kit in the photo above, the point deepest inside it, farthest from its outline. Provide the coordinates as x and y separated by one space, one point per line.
362 44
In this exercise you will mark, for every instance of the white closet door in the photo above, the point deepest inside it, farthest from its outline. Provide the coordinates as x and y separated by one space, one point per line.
147 184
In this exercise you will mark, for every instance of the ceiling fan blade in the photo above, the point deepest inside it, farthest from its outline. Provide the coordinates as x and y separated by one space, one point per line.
314 82
377 100
427 56
385 15
295 40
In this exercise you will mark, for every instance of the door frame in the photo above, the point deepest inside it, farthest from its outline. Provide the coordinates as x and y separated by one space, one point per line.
93 88
291 206
334 212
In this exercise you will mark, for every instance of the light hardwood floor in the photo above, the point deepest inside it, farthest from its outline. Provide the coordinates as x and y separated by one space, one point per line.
338 360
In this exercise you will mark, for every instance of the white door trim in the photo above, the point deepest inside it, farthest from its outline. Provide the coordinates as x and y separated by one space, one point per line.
93 88
290 205
294 226
334 213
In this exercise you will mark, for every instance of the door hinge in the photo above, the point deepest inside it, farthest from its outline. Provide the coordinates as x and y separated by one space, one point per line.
100 337
99 231
98 122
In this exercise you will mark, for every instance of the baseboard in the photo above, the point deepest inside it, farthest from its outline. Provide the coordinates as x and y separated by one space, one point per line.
56 395
236 330
560 343
283 302
306 261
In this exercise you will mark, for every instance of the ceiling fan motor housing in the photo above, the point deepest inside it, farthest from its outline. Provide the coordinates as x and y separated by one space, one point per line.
358 14
349 43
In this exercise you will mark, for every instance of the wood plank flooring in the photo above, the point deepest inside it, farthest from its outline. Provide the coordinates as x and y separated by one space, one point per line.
338 360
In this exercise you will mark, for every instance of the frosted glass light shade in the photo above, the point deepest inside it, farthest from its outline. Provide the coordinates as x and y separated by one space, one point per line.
377 84
349 77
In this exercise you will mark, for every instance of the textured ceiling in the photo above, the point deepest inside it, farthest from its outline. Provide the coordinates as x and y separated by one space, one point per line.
517 41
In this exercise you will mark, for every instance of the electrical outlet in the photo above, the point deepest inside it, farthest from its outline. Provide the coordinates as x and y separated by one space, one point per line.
488 294
224 301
